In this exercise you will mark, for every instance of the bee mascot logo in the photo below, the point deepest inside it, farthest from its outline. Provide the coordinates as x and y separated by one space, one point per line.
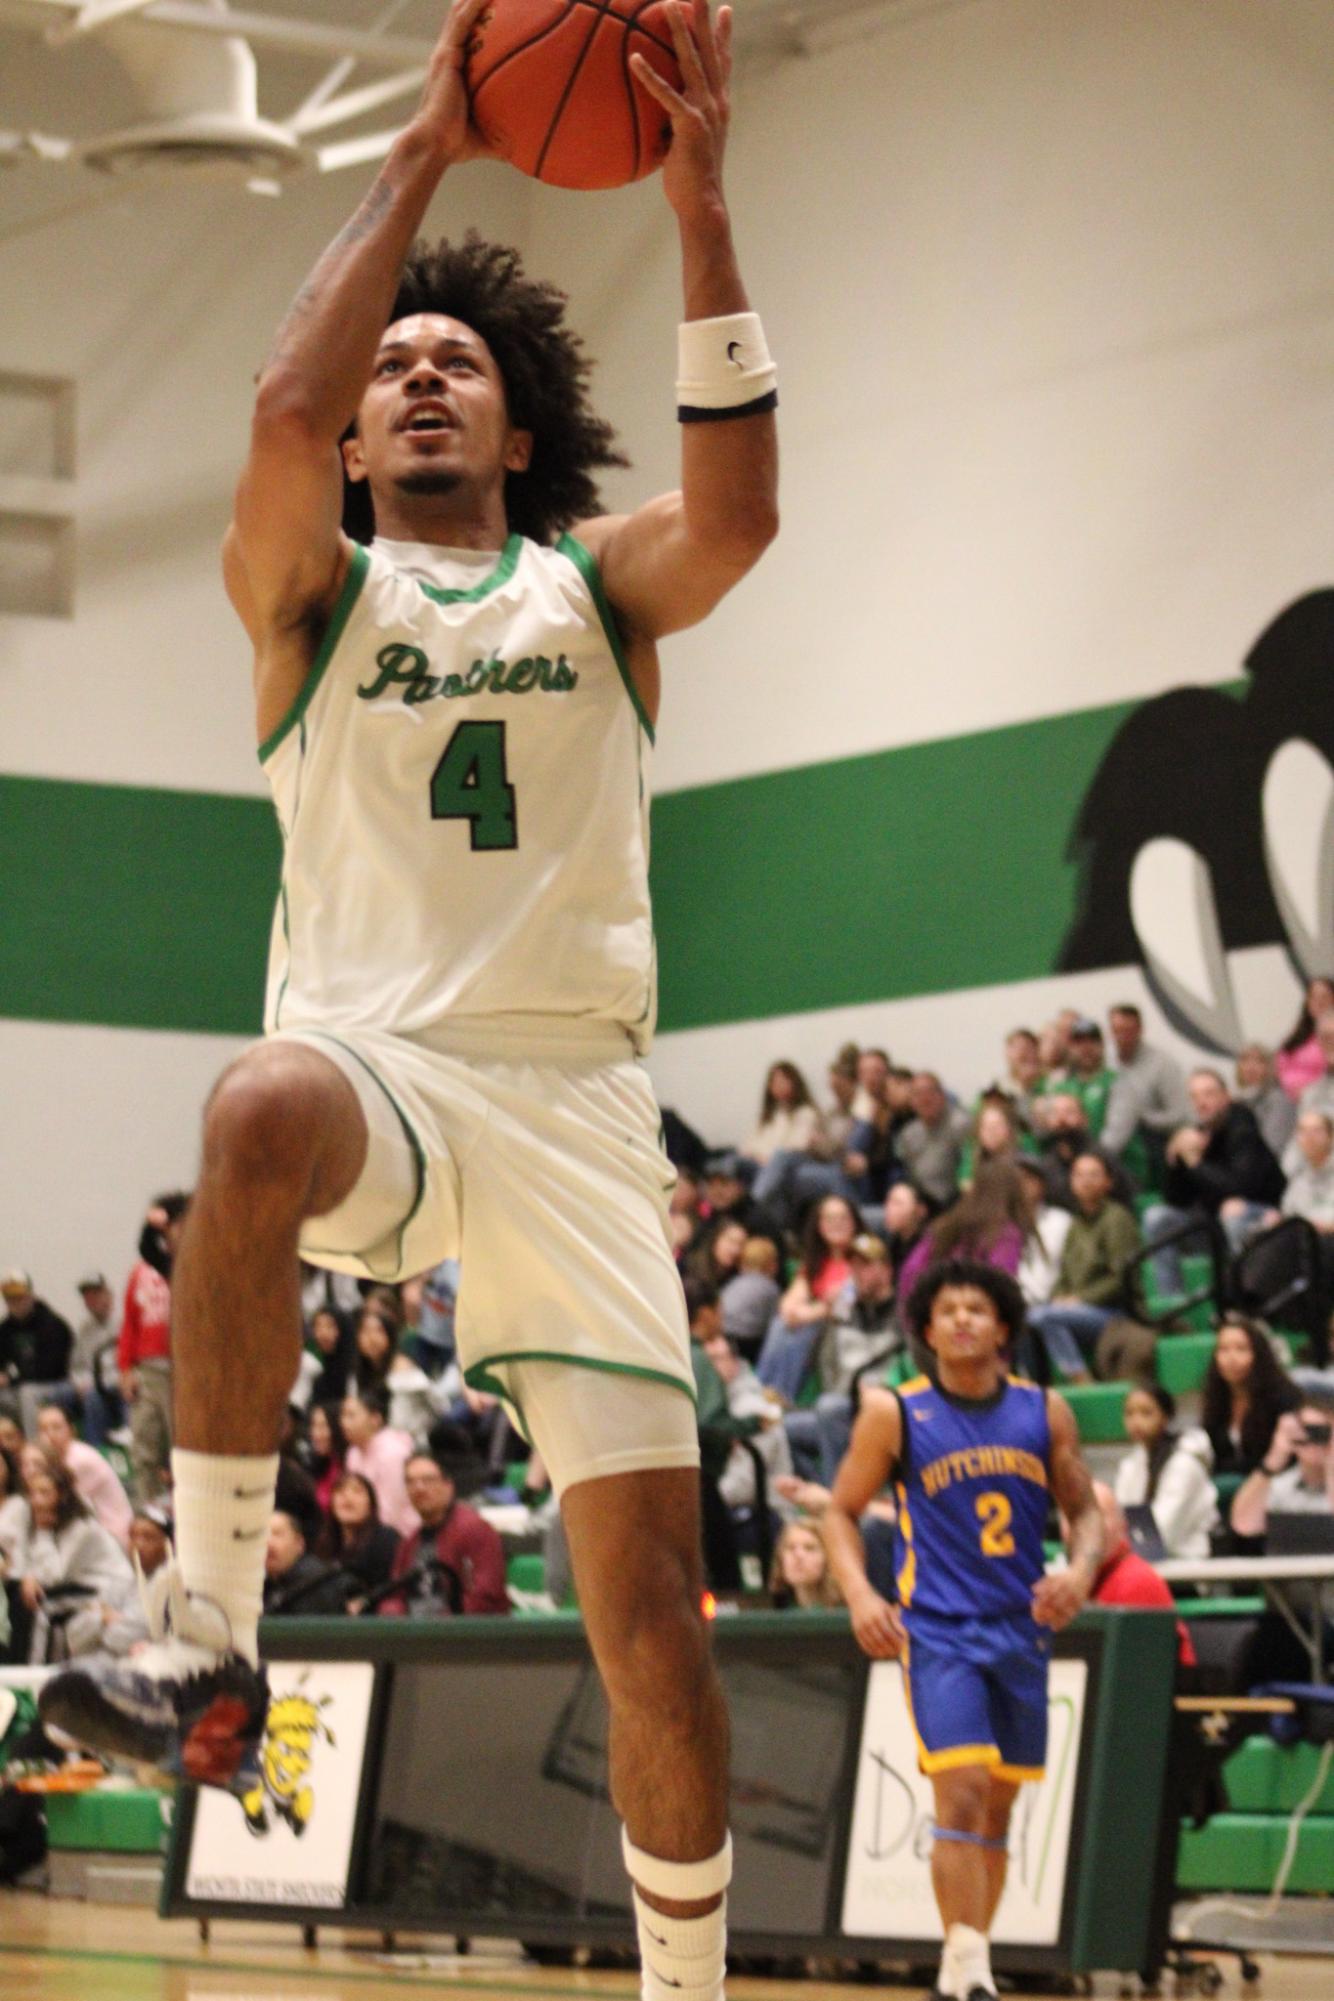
291 1732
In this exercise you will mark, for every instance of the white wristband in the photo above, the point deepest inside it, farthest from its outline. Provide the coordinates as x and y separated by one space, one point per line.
725 369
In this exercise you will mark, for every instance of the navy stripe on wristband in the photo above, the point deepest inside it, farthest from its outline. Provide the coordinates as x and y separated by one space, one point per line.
687 413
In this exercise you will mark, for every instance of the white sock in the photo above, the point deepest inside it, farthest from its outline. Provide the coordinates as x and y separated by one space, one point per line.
683 1959
947 1980
971 1953
222 1508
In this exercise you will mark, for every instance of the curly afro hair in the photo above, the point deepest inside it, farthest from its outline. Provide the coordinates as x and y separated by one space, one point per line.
543 366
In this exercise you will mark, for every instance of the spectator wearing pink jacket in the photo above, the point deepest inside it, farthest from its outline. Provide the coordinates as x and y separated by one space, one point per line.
379 1454
92 1475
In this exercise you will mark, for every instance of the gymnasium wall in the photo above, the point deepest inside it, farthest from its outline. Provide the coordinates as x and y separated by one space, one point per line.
1048 284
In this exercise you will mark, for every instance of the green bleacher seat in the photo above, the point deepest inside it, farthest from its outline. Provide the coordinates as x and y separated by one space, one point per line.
1242 1851
526 1573
1193 1609
119 1821
1099 1410
1182 1360
1265 1777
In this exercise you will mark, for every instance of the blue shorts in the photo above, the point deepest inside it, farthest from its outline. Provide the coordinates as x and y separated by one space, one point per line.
977 1693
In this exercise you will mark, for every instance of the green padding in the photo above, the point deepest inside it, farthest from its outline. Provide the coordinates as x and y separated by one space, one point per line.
1242 1851
526 1573
1181 1361
1265 1777
135 908
123 1823
1099 1410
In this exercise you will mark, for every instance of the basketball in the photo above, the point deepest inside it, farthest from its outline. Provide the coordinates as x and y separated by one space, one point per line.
552 88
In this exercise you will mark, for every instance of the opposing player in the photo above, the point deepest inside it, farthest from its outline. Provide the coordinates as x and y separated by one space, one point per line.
975 1457
457 724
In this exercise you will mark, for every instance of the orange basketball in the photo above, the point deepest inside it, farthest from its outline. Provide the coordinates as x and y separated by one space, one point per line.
552 88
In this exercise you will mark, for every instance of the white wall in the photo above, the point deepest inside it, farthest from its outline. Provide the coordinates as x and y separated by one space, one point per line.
1048 284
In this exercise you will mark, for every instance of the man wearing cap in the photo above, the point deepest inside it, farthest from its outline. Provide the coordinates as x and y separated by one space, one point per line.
35 1346
95 1336
1087 1077
455 1562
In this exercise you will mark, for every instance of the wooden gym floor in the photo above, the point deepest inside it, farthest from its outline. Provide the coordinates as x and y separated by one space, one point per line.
57 1951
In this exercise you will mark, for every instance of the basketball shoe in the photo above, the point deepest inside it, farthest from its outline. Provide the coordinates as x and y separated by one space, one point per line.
186 1706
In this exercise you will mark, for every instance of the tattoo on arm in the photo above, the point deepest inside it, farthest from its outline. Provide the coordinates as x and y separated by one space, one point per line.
311 296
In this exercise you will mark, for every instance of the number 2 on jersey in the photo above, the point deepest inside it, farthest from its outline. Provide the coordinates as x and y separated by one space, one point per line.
470 783
994 1512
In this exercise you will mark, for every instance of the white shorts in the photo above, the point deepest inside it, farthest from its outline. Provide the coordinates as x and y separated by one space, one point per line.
534 1156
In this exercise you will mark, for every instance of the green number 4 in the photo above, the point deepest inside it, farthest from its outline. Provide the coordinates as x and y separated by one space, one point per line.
469 783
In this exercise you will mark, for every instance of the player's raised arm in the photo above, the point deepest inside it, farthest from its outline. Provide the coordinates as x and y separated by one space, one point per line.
1062 1594
285 554
877 1437
667 565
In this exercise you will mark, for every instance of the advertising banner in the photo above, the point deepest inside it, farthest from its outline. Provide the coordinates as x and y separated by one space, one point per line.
288 1841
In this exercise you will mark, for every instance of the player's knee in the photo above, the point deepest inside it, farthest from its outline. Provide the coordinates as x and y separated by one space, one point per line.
263 1123
659 1658
962 1799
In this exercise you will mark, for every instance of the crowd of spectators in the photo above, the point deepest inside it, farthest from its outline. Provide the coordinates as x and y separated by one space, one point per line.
797 1247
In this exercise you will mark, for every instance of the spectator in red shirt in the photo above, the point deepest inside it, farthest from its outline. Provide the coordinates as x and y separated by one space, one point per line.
1126 1579
143 1354
454 1562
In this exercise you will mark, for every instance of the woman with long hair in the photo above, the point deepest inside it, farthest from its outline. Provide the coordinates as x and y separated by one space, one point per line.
1168 1470
826 1245
789 1347
1246 1391
327 1360
997 1134
1300 1060
790 1120
74 1572
992 1222
355 1538
800 1577
376 1346
790 1148
719 1257
324 1451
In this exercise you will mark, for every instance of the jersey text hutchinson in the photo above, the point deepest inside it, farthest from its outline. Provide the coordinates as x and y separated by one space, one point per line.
408 669
982 1462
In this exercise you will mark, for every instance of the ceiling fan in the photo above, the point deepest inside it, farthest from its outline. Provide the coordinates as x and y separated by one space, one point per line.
193 68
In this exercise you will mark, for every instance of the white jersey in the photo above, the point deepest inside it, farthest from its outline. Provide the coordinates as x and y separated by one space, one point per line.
462 786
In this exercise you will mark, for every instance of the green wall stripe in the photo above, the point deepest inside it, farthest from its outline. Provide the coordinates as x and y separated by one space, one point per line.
135 908
912 871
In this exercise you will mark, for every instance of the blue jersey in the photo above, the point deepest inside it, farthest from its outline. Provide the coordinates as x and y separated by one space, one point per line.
972 1486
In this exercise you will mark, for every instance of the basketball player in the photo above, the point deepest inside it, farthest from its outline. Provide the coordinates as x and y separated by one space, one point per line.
976 1457
457 723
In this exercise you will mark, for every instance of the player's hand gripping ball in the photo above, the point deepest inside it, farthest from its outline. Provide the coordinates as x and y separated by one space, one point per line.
552 89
